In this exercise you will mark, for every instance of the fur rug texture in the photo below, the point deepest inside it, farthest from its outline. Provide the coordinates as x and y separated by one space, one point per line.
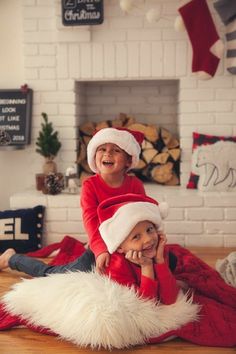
91 310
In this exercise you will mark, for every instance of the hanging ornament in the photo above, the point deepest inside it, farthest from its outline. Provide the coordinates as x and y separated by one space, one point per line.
153 15
127 5
179 24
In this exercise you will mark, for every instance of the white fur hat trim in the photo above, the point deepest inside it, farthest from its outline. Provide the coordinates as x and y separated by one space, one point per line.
115 229
122 138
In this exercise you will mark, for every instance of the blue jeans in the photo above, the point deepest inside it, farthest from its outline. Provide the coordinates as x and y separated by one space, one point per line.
37 268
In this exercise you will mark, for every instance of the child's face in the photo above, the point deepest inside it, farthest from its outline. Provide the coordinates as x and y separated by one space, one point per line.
110 158
143 237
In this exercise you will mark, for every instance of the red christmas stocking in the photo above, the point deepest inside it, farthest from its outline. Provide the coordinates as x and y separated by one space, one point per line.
206 45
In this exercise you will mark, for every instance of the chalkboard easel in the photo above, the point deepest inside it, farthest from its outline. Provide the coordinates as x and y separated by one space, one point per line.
15 118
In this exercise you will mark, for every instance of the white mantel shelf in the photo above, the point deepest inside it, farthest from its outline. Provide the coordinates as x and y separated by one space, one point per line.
195 218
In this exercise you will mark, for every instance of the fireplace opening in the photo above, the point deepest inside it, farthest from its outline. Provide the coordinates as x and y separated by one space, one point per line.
147 105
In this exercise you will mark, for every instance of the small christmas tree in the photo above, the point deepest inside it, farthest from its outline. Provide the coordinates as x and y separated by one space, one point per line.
47 141
48 145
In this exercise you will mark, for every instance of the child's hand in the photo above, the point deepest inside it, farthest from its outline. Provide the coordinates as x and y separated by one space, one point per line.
102 261
160 248
138 258
145 263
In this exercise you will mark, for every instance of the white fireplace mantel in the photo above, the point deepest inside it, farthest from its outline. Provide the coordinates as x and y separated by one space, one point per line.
195 218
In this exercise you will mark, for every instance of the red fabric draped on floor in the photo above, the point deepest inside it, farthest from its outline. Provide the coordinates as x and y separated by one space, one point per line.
217 321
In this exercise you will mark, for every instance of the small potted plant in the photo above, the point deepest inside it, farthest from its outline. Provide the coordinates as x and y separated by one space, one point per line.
48 146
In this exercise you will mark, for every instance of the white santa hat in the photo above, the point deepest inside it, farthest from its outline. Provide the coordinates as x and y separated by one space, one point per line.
127 140
119 215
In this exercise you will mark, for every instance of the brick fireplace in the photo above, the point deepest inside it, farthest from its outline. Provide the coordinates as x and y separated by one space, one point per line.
127 65
149 101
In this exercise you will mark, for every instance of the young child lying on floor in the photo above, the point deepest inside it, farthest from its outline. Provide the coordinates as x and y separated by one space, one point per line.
140 260
130 226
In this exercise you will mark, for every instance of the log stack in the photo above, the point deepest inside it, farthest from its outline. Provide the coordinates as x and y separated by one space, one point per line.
160 151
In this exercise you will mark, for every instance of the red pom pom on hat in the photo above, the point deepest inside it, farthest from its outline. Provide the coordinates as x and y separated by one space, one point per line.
128 140
127 210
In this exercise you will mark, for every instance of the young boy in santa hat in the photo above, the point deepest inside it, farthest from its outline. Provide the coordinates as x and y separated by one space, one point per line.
111 153
131 227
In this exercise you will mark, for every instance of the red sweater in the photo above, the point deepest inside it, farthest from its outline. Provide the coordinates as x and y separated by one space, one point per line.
162 288
94 191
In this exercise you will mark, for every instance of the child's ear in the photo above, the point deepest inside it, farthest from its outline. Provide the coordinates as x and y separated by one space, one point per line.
129 161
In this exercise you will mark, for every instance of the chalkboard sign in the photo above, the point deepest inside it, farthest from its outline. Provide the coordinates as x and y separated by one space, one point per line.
15 117
82 12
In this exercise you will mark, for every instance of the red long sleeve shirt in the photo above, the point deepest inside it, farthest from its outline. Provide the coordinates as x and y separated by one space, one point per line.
94 191
163 288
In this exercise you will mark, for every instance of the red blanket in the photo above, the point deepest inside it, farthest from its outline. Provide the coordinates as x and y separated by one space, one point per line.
217 322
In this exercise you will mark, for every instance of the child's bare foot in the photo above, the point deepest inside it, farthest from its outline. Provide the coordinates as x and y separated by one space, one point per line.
4 258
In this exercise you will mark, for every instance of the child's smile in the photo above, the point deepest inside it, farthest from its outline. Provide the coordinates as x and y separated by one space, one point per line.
110 157
107 163
150 251
143 238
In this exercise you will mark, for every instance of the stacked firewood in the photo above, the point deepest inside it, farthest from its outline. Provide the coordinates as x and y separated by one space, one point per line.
160 151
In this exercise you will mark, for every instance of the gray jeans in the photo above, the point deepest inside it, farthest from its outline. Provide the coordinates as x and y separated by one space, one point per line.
37 268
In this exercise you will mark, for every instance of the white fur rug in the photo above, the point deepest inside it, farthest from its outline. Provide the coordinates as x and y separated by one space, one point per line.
92 310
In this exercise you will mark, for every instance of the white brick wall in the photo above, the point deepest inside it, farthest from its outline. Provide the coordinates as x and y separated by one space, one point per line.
195 218
62 214
126 48
123 47
149 101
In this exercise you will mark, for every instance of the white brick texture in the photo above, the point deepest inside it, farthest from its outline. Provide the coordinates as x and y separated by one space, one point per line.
135 67
191 222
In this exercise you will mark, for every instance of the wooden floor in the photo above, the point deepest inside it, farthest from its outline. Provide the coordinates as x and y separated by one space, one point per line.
24 341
